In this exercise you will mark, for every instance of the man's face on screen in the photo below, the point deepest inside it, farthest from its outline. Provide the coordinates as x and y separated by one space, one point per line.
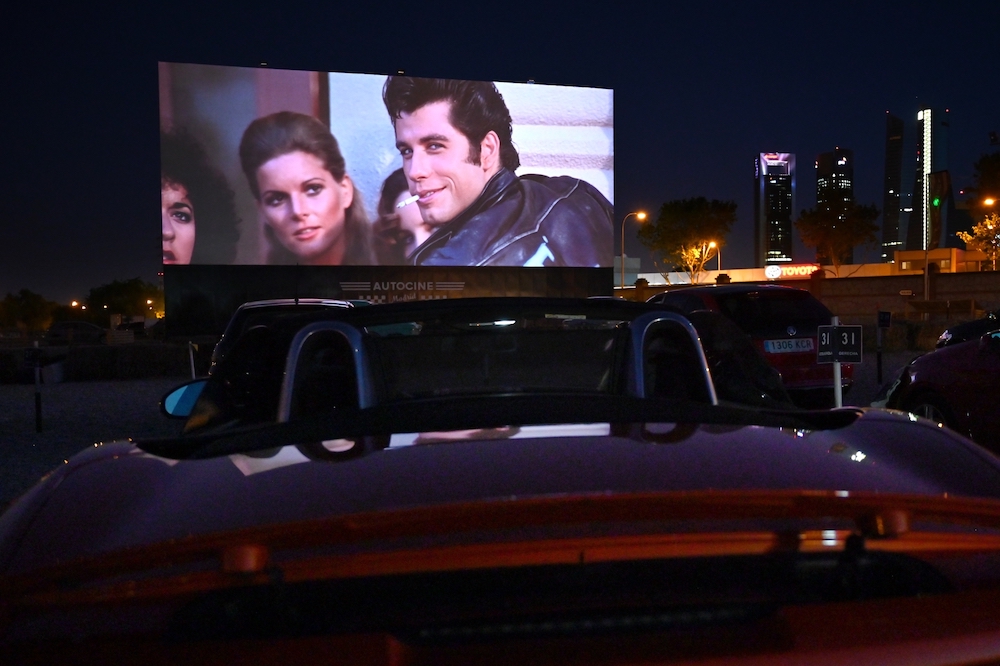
436 162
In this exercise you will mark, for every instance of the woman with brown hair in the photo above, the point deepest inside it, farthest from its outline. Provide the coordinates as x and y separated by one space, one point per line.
311 212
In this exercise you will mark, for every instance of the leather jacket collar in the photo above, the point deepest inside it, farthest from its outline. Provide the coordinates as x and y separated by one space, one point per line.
493 193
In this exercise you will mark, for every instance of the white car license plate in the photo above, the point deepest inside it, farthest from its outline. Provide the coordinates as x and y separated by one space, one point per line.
786 346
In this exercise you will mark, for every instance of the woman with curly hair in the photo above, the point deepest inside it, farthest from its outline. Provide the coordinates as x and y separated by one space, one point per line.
199 224
311 212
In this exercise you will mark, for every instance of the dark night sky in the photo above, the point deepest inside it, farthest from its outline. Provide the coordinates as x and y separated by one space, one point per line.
698 93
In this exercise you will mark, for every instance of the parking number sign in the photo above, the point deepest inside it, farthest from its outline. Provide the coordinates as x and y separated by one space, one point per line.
838 343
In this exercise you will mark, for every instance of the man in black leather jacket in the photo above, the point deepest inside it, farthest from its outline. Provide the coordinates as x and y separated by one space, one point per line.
458 158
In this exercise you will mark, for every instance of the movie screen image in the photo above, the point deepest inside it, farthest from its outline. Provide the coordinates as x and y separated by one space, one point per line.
262 166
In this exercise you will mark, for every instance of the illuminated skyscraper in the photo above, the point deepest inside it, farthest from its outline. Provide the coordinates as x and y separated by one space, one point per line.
924 228
835 185
891 183
774 203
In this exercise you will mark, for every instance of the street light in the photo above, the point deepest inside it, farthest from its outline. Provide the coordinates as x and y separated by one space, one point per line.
718 254
639 215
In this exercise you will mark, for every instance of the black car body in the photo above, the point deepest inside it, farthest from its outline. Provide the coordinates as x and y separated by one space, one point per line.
969 330
957 385
261 313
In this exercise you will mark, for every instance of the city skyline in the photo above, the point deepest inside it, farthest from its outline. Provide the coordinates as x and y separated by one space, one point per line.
698 93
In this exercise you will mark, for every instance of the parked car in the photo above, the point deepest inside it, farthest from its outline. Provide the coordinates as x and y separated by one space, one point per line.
247 379
782 322
969 330
958 386
74 332
490 481
143 330
260 313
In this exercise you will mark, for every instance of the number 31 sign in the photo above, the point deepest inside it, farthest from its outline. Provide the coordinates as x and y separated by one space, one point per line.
838 343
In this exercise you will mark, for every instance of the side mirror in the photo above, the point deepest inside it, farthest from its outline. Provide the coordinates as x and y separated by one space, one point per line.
179 403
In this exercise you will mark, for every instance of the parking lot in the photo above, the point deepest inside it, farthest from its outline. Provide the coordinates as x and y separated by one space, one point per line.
74 415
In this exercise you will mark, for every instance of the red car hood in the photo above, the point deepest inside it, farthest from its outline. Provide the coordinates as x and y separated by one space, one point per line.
115 497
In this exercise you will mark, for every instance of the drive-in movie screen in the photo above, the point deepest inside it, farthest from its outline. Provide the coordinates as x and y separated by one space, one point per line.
262 166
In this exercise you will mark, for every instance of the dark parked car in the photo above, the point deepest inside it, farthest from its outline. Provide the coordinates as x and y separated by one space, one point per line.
74 332
252 355
493 481
969 330
261 313
957 385
782 322
143 330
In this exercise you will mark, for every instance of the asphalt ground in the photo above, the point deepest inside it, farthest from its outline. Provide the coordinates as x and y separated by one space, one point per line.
76 415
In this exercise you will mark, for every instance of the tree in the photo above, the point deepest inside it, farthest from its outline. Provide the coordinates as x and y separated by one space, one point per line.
985 185
835 230
26 310
689 232
125 297
985 237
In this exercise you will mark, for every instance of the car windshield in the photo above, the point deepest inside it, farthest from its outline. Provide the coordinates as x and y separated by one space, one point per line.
759 311
551 352
384 370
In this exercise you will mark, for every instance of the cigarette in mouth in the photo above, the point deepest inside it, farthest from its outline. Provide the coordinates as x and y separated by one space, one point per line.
407 201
